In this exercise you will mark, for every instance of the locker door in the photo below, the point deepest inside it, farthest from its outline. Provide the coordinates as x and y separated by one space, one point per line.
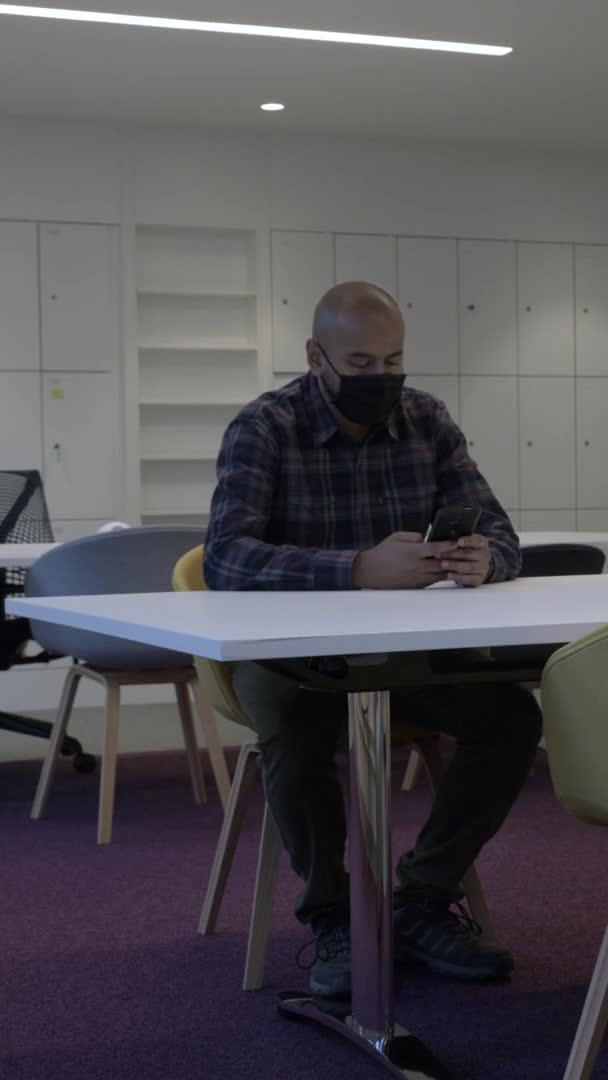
488 323
20 435
367 258
79 276
428 277
592 443
546 412
302 270
80 445
19 331
546 309
591 270
489 422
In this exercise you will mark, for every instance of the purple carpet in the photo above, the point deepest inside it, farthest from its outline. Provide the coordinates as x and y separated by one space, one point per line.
103 976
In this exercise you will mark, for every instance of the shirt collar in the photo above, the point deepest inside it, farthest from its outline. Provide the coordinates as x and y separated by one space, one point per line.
324 426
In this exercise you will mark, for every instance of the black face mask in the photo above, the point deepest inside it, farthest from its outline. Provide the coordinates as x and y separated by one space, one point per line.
365 399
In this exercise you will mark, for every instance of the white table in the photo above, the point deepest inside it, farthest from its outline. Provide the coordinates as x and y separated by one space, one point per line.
20 556
236 626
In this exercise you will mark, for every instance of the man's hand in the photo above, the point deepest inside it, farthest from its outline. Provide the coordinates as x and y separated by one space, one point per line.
469 564
402 561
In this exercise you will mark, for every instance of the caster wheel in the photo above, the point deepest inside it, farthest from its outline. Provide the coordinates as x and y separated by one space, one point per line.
84 763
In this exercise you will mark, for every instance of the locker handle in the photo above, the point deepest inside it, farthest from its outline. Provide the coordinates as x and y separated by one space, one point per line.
529 442
528 308
585 311
472 442
587 443
471 307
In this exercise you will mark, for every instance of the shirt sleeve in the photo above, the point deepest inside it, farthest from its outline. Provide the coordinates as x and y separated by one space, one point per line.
460 482
236 554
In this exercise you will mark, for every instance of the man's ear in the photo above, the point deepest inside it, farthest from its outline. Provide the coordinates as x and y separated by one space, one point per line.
315 356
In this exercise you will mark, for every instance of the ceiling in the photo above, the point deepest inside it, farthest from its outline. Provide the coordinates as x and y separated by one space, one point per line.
550 93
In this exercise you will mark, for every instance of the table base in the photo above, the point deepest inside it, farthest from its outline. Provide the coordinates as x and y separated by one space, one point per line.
400 1053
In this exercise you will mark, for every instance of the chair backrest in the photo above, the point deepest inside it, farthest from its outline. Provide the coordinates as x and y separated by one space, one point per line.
123 561
214 676
24 519
575 710
560 560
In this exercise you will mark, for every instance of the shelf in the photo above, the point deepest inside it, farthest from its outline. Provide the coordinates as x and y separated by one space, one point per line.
199 403
206 294
196 348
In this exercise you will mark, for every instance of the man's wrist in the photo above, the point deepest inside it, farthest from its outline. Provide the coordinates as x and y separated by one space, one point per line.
358 571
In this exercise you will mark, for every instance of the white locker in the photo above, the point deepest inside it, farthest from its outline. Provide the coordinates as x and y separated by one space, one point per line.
80 308
444 387
20 435
80 445
302 270
591 269
592 442
367 258
548 520
19 333
427 293
488 321
546 418
593 521
545 275
74 530
489 421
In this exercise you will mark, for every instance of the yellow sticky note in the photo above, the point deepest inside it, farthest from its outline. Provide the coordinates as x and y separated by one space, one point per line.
57 393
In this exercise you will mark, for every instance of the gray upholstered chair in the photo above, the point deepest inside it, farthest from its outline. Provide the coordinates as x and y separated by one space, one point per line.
125 561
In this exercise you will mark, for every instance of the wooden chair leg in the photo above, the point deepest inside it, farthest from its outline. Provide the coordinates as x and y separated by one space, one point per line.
108 763
214 746
413 769
471 886
261 912
244 776
192 749
64 710
593 1021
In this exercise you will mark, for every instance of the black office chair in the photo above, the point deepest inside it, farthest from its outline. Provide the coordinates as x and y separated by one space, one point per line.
24 519
548 560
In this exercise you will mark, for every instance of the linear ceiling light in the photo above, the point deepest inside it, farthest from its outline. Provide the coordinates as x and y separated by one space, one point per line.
332 36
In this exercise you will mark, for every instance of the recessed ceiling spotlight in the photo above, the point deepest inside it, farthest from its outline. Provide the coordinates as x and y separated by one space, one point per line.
333 36
272 106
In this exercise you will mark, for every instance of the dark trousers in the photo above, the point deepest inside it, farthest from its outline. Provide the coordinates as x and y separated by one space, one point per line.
496 727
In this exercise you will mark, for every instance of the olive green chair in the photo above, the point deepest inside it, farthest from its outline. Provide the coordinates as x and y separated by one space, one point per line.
574 692
215 679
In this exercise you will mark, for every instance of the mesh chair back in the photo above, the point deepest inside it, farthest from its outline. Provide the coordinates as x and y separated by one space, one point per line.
126 561
24 519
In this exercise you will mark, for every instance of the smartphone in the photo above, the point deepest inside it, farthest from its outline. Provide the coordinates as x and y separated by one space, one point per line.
452 522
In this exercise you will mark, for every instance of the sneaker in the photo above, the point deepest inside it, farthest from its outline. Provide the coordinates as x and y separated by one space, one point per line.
447 941
331 966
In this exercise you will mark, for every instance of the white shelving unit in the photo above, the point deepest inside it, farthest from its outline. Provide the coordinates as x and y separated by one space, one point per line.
197 314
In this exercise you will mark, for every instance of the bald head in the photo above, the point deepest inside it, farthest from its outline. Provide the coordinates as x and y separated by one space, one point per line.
350 306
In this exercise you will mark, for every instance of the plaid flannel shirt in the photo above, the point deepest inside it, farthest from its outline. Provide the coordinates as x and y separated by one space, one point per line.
296 500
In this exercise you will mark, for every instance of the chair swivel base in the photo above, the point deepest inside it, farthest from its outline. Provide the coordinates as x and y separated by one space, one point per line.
401 1054
41 729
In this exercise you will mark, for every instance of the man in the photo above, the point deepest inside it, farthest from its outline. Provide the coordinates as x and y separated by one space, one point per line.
328 484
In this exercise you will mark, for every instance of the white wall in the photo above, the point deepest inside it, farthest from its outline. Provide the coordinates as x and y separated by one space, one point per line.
81 173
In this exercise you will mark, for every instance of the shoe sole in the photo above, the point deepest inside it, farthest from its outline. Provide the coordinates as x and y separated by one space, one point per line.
444 967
